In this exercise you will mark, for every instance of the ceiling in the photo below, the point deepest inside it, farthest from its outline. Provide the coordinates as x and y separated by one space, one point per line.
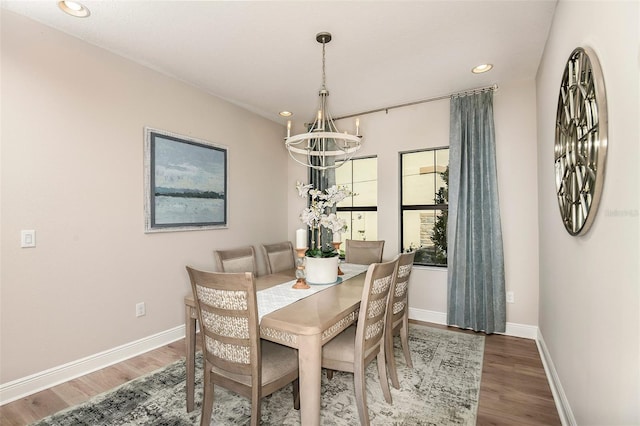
263 55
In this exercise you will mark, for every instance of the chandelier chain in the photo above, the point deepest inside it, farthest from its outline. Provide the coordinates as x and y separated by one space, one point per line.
324 75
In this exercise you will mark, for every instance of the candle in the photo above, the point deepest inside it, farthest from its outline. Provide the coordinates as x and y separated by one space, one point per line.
288 128
357 126
301 238
337 237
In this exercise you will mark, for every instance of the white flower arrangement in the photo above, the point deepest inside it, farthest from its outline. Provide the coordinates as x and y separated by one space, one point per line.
316 217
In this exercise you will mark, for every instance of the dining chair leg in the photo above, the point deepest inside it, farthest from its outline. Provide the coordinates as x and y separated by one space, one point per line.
382 373
404 337
255 406
361 393
296 394
329 374
207 403
391 360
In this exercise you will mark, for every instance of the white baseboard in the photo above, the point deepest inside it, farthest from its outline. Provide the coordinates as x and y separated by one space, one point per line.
512 329
562 403
428 316
521 330
54 376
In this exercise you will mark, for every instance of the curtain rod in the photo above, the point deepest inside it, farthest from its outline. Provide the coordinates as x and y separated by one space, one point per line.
438 98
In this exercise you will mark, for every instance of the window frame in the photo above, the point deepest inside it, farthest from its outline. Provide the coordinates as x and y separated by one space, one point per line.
352 208
413 207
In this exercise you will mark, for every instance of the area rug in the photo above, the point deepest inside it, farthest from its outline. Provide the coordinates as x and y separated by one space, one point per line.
441 389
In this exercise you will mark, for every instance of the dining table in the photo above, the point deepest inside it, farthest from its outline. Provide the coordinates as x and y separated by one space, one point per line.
306 324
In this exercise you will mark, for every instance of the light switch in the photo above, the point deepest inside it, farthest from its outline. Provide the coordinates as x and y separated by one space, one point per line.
28 238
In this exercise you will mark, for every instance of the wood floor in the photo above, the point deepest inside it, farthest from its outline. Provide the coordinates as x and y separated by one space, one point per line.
513 391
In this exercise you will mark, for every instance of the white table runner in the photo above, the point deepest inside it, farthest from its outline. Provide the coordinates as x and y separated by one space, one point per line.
276 297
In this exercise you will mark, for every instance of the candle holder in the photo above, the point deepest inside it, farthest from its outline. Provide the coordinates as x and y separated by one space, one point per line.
336 245
301 282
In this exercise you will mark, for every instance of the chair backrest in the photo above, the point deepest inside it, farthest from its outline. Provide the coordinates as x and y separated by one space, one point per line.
373 307
279 256
228 315
399 296
241 259
363 252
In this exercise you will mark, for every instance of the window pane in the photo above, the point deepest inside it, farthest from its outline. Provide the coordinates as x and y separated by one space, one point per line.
365 182
418 189
425 232
442 162
346 235
343 173
366 193
362 225
343 178
365 225
347 202
359 176
419 174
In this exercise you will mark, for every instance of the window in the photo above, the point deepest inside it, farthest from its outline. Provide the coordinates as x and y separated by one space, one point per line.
360 211
424 209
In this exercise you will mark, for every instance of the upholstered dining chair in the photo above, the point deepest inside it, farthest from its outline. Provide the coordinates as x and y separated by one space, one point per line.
241 259
234 355
354 348
363 252
397 322
279 256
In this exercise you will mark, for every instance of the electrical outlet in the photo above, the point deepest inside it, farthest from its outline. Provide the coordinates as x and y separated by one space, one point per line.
140 309
510 297
28 238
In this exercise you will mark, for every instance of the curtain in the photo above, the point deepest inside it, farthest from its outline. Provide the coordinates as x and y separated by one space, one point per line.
321 180
476 286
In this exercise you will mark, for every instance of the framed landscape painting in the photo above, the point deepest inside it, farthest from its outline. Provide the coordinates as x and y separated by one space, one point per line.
185 183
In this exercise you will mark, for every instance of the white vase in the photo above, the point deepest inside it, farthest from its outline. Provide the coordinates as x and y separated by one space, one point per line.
321 270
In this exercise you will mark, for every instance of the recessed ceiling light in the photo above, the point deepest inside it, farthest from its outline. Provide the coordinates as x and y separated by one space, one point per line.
285 113
482 68
74 8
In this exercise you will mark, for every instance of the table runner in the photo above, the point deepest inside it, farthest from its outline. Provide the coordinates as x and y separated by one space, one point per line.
276 297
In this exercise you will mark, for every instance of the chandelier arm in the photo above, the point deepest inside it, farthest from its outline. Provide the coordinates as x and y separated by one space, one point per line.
320 135
312 153
298 161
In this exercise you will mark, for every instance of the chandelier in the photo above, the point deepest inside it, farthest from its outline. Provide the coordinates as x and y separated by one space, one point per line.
323 146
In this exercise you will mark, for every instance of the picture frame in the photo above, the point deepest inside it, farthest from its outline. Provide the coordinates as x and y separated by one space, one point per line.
186 181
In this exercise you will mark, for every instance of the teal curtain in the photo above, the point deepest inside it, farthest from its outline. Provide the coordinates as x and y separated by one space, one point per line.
476 286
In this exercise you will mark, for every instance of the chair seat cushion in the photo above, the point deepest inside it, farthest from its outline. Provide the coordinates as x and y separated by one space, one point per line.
277 361
342 347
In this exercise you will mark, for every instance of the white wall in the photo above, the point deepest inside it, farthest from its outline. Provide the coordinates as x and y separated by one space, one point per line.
427 126
72 169
589 285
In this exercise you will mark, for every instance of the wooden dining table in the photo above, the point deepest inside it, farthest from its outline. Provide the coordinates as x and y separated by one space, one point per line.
305 325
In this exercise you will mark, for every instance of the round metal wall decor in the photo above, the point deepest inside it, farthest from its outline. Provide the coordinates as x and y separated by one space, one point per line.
581 140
